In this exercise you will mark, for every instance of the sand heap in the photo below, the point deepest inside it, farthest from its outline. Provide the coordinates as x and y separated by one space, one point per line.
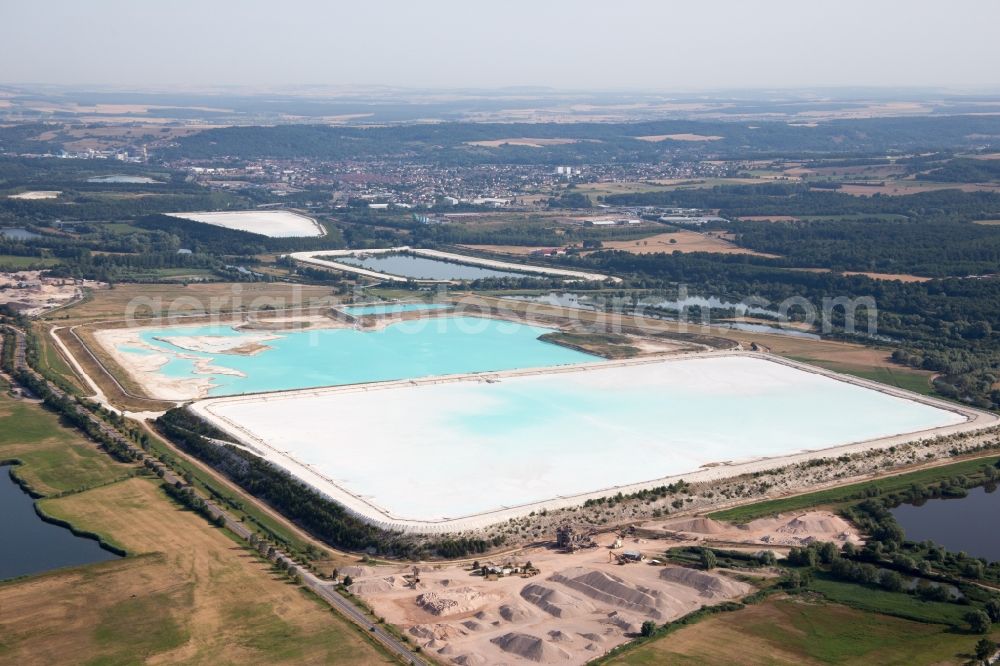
554 602
530 647
356 571
696 525
453 601
811 524
376 585
517 613
796 530
610 589
625 622
708 585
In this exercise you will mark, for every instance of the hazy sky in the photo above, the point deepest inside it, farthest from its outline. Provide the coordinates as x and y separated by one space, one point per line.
650 44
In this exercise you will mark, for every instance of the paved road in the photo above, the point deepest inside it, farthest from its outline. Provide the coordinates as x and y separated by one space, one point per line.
322 588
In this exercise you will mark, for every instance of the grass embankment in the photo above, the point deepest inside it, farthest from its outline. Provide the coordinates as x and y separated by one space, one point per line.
798 630
190 593
606 345
837 497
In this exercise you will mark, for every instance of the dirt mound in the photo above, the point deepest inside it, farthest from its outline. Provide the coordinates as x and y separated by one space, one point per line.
458 600
610 589
530 647
626 623
815 524
557 636
422 631
554 602
516 612
696 525
709 586
369 587
356 571
483 616
470 659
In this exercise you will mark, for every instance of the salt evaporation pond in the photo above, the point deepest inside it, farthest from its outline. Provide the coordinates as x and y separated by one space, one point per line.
454 449
423 268
336 356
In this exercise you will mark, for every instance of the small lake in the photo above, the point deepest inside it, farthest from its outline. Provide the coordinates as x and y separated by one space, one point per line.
30 545
18 233
422 268
964 524
132 180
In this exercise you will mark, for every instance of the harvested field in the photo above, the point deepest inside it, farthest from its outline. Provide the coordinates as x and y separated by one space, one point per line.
603 189
170 300
769 218
902 277
191 595
682 241
678 241
504 249
903 187
796 631
988 223
656 138
528 142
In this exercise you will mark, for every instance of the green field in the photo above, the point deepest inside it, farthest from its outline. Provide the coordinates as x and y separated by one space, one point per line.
121 228
897 604
54 459
797 630
887 217
845 494
21 263
901 377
